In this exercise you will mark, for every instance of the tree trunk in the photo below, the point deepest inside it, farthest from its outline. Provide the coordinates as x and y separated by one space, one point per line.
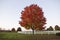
32 30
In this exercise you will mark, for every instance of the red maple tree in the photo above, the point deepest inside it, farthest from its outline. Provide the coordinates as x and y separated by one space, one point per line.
32 18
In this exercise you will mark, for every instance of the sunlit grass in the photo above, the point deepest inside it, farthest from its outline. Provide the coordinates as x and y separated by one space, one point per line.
18 36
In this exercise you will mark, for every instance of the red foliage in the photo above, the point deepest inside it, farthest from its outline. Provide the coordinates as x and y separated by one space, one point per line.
32 16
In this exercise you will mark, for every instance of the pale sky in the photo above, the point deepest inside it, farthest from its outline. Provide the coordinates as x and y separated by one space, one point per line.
10 11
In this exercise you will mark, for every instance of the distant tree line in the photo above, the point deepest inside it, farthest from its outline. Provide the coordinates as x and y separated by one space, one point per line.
18 29
12 30
57 28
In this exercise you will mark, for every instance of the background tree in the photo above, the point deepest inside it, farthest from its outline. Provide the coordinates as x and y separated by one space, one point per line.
57 27
50 28
0 29
18 29
13 29
32 18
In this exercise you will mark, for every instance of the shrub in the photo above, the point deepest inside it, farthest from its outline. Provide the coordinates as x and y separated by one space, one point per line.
58 34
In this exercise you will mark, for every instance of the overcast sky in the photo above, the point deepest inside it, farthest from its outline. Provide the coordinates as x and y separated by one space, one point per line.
10 11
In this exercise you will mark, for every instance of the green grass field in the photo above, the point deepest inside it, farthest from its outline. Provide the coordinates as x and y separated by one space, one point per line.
18 36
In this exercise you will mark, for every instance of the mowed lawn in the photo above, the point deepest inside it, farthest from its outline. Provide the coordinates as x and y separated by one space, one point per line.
18 36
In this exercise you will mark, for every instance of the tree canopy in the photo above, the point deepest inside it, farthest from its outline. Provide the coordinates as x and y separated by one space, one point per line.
57 27
32 17
18 29
50 28
13 29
